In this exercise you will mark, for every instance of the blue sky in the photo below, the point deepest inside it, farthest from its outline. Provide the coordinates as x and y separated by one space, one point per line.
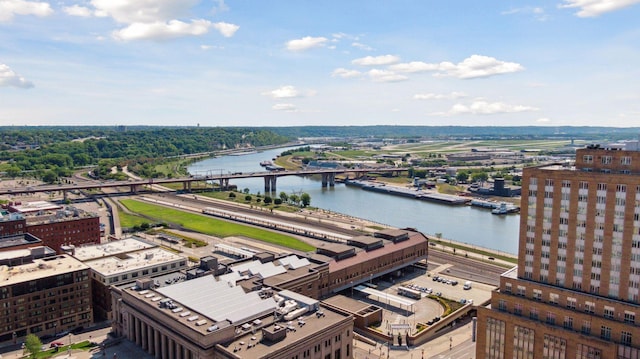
292 63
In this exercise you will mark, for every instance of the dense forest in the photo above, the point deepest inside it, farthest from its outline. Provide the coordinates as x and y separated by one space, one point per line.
51 152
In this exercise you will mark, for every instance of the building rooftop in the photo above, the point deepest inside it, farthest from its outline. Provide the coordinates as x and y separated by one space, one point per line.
39 268
218 301
35 206
122 256
363 256
259 345
126 245
19 240
132 261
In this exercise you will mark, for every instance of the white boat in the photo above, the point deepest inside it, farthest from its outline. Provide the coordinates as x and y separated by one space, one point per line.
504 208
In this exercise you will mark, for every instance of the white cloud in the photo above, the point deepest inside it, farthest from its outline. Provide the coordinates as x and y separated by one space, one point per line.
482 107
472 67
306 43
77 10
376 60
162 30
11 8
144 11
226 29
211 47
386 76
593 8
157 19
286 107
435 96
344 73
537 12
362 46
414 66
478 66
9 78
287 91
543 120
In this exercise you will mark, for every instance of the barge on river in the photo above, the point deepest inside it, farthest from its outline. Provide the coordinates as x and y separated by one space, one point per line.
410 193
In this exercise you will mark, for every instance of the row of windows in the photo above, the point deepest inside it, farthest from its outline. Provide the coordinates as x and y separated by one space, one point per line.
588 307
607 160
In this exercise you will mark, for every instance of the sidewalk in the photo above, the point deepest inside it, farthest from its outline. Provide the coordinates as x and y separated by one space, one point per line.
438 348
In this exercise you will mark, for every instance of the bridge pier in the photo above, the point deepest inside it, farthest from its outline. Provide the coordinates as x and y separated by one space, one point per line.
64 195
186 186
133 188
224 184
270 183
328 179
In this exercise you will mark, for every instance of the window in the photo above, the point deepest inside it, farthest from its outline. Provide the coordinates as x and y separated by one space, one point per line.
625 160
629 317
606 160
568 322
609 312
605 332
625 338
587 159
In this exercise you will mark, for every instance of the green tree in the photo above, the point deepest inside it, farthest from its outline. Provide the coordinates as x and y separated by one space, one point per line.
284 197
294 199
479 176
247 198
462 176
267 200
49 176
13 171
305 198
33 345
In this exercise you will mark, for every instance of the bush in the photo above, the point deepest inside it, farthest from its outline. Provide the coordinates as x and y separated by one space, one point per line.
247 198
277 201
232 195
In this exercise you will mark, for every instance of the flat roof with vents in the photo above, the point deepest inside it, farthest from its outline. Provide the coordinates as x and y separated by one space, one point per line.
218 300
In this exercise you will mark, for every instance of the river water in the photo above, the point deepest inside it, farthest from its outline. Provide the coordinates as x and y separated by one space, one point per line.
464 224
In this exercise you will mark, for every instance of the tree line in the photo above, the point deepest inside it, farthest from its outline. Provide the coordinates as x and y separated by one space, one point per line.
53 153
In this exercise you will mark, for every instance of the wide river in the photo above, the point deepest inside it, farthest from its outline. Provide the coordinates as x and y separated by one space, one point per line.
464 224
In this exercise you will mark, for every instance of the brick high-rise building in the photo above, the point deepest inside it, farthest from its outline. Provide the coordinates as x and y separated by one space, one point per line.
575 292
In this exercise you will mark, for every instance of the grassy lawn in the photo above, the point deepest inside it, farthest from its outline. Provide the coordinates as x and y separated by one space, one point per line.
85 345
129 220
213 226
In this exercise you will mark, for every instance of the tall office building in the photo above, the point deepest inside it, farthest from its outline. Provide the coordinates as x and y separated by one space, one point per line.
575 291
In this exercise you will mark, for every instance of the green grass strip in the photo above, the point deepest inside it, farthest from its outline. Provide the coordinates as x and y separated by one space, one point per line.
213 226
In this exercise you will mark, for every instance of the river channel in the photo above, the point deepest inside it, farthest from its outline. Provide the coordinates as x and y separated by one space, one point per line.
464 224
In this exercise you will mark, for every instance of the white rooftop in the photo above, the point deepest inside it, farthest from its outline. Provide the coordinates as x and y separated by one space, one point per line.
129 244
264 270
130 261
219 301
294 262
35 206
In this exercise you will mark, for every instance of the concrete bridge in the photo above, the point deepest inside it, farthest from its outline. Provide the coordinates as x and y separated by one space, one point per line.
270 180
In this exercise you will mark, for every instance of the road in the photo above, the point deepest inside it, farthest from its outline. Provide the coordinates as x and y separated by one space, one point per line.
467 268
